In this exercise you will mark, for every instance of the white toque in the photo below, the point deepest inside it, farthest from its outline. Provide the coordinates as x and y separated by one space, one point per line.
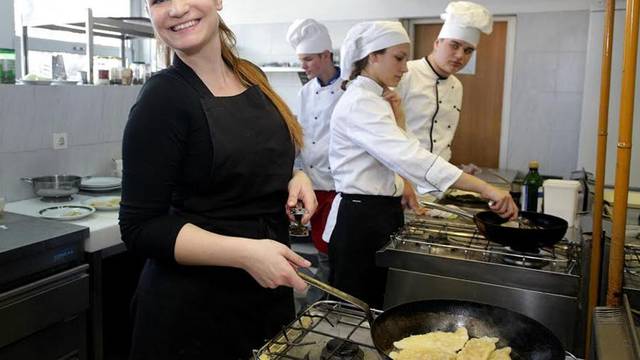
308 36
464 20
367 37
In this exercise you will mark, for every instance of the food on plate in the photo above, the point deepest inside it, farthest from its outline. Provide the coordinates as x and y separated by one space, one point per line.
441 345
111 203
72 213
35 77
478 349
501 354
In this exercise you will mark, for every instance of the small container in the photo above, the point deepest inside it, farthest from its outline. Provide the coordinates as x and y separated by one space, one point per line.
7 66
561 199
127 76
103 77
115 76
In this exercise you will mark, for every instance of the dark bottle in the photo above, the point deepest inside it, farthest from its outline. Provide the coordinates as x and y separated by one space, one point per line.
531 199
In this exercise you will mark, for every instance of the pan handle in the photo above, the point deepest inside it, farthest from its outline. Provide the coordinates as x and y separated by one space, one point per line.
459 212
27 179
570 355
337 293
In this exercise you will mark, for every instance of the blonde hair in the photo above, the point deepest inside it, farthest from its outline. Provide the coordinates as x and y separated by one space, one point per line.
250 75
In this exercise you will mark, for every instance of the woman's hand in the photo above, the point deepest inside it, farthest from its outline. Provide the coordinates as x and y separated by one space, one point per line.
410 200
396 105
501 202
273 264
300 189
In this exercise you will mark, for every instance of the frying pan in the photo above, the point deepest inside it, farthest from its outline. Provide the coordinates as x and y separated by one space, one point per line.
527 338
544 229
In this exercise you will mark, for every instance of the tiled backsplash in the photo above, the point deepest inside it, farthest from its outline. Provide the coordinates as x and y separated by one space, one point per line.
92 116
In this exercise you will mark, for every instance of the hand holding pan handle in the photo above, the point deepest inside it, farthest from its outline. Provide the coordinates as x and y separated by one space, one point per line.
339 294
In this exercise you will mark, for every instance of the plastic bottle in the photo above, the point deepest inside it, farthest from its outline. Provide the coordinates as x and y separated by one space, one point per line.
531 199
7 66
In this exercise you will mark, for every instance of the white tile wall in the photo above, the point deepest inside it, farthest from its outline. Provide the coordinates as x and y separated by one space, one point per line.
547 94
92 116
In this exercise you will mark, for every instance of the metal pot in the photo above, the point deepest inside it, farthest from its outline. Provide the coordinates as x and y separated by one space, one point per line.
527 338
55 186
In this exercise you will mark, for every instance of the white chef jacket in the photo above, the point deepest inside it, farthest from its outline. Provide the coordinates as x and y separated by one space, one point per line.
432 106
316 105
367 149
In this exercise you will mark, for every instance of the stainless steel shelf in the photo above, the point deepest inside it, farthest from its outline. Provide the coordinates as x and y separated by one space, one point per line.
123 28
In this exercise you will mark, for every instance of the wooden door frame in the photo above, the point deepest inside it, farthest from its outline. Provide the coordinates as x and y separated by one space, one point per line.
510 47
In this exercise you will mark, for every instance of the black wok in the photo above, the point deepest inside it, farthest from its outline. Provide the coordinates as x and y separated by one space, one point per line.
541 229
527 338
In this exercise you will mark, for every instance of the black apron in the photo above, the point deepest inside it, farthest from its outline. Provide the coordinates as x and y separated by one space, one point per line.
363 226
188 312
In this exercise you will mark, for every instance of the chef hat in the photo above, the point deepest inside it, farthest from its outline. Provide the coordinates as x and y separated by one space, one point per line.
308 36
367 37
463 20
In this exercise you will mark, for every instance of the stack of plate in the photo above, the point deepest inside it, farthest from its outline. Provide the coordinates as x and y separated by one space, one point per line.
100 184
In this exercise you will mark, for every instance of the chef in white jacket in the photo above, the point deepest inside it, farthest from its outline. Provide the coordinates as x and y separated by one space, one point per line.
316 100
430 93
367 149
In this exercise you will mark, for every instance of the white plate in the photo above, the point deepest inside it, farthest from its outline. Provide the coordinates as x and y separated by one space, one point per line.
99 182
100 190
64 82
66 212
36 82
104 202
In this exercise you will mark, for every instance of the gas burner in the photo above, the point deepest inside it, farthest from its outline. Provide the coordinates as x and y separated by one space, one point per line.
529 259
338 349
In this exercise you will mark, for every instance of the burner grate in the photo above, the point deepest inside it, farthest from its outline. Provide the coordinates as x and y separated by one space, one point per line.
462 240
323 322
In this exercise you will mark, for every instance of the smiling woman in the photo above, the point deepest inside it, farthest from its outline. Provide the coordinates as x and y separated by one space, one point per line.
214 229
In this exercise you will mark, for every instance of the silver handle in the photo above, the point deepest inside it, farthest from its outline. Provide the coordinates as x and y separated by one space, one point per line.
337 293
26 179
460 212
570 355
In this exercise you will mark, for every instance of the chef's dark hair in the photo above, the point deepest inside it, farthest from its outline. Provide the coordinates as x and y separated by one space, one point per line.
358 66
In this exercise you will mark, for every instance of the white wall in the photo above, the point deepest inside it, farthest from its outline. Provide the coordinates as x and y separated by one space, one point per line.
6 24
591 104
260 11
92 116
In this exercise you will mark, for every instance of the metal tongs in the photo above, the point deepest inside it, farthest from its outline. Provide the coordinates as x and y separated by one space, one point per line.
520 223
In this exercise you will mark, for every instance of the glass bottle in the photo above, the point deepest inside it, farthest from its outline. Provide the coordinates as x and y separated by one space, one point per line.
532 189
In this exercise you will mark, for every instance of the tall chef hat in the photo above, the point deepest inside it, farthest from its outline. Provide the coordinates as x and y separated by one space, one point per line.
464 20
308 36
367 37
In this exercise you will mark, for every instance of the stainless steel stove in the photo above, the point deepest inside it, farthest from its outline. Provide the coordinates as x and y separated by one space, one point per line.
327 330
432 258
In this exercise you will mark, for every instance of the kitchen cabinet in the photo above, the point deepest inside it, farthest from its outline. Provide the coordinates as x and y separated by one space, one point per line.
113 275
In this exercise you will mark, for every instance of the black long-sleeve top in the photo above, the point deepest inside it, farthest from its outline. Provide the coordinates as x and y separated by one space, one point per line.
166 146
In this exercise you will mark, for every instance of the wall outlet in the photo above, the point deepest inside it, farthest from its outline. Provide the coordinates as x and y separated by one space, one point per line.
59 141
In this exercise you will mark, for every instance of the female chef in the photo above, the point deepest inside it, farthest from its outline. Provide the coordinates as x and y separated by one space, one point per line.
208 156
367 149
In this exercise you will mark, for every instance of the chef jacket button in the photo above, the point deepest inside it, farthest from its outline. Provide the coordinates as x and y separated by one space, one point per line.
434 141
315 142
311 166
435 121
449 126
452 87
315 118
332 92
317 92
449 145
440 102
